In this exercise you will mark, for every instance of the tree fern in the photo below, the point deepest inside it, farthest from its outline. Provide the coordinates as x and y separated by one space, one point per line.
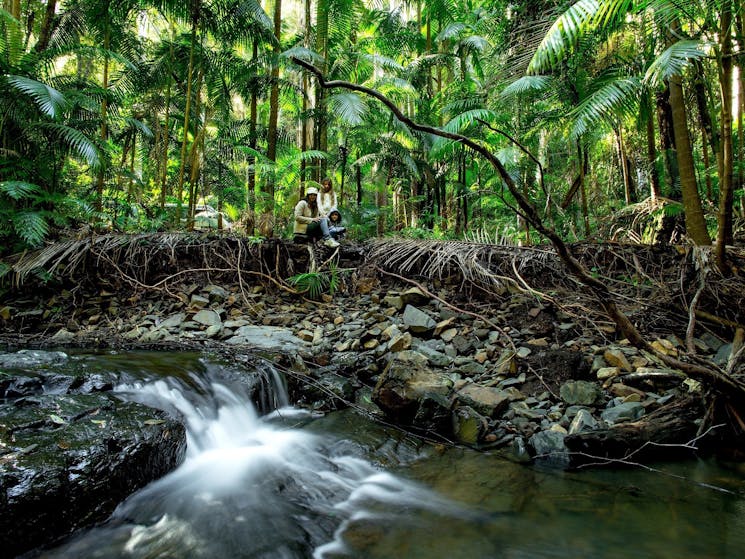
527 84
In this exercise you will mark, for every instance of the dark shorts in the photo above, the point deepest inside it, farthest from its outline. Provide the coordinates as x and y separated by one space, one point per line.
314 230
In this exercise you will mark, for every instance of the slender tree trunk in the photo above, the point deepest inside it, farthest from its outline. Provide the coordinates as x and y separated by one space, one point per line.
740 36
726 190
667 142
629 192
189 77
252 142
271 151
694 213
194 154
166 125
707 135
322 32
104 116
47 27
654 175
358 175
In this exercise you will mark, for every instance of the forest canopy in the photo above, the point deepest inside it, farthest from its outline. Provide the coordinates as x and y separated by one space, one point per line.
618 120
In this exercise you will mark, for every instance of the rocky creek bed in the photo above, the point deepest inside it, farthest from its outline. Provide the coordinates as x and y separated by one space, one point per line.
533 374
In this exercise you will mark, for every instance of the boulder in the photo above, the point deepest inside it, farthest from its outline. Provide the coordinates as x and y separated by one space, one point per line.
69 460
486 400
405 382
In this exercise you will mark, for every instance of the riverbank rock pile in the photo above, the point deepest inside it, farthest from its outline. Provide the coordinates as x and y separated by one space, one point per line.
511 370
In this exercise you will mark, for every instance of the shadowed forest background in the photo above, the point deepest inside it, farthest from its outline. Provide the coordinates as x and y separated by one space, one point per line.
618 120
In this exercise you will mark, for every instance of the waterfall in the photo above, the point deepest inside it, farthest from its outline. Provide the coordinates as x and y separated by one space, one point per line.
251 485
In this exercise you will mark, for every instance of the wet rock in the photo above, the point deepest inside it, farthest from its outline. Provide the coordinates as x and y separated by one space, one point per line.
579 392
404 383
486 400
469 427
417 320
28 358
628 411
583 421
549 448
207 317
70 459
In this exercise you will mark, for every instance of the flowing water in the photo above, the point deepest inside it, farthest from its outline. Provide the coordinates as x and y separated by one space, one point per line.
281 483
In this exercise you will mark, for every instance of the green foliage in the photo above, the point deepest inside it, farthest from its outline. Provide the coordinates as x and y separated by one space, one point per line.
315 284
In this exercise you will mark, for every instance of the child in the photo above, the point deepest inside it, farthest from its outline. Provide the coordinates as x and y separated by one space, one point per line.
335 228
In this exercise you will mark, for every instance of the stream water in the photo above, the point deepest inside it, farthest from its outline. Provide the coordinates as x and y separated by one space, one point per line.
281 483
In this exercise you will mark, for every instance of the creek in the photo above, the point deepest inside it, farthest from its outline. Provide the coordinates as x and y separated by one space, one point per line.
265 480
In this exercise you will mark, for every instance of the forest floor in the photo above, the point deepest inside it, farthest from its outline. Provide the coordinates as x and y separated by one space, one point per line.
488 346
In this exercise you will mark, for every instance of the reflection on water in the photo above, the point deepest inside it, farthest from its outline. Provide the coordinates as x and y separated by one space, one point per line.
288 485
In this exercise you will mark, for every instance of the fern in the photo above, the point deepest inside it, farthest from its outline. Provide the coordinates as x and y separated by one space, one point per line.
19 190
312 283
31 227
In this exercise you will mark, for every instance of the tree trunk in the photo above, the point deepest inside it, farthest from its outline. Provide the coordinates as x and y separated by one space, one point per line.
707 136
322 33
654 175
47 27
726 190
271 150
694 213
667 142
104 116
195 13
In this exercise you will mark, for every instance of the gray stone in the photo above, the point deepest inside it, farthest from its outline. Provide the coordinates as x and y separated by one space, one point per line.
199 302
414 296
579 392
583 421
273 338
216 292
394 301
550 448
627 411
486 400
616 358
207 317
418 321
173 321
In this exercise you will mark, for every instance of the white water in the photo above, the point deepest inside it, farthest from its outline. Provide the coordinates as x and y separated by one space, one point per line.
248 488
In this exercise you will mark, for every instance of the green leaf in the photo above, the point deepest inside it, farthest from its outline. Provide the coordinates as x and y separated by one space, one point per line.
527 84
19 190
563 35
612 100
674 60
77 142
349 107
31 227
50 101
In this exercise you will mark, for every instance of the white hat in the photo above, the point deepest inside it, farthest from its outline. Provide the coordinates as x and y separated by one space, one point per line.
311 190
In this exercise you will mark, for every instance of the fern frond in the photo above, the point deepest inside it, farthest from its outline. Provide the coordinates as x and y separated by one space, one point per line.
31 227
19 190
526 84
349 107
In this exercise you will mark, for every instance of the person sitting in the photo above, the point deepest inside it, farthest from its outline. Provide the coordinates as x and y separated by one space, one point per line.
308 222
335 227
327 197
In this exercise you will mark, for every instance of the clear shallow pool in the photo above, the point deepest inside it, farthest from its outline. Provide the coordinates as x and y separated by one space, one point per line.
289 485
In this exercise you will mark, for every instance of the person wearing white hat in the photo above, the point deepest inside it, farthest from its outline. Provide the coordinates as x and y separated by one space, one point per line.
309 222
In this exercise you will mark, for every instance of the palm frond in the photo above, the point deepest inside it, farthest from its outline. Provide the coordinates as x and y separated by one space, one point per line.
674 60
563 35
76 141
526 84
349 107
50 101
463 120
451 31
615 98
